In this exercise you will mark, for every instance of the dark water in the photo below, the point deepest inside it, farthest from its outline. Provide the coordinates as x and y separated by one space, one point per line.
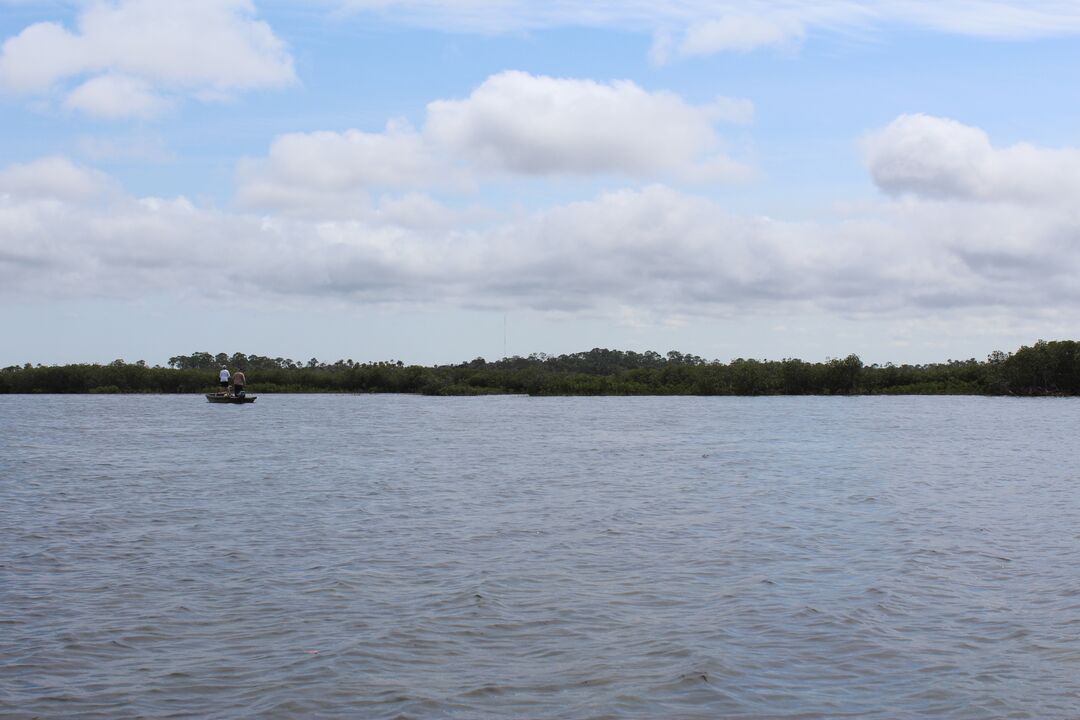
405 557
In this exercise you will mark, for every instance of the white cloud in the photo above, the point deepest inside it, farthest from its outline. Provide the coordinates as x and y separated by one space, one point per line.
416 211
650 250
124 54
941 158
513 123
115 96
1017 19
700 26
976 229
537 125
53 178
39 56
330 173
740 33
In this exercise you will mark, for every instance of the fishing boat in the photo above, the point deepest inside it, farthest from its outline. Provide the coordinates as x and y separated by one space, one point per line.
227 398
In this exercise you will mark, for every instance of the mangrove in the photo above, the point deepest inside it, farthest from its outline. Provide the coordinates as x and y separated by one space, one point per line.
1047 368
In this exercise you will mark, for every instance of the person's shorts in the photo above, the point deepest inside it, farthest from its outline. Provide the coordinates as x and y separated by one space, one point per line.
224 383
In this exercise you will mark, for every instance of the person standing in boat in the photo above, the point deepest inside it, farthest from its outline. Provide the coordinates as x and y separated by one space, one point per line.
238 381
223 380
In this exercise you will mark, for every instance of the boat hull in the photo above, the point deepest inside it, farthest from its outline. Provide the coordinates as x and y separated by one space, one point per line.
229 399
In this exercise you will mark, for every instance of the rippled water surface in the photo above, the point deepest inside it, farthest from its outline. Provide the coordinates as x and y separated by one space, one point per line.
512 557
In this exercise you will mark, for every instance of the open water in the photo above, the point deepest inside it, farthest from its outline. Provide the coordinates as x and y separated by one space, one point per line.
511 557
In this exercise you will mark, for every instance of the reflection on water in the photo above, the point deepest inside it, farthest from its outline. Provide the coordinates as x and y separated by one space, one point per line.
382 556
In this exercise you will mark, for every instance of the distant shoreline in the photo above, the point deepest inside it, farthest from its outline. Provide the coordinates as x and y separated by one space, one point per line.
1047 368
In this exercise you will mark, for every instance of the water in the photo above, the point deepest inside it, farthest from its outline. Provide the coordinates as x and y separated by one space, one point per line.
512 557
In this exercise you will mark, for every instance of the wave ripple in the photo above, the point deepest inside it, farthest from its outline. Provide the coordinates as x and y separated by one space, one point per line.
406 557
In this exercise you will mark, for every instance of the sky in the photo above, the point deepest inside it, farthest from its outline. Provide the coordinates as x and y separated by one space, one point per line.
433 182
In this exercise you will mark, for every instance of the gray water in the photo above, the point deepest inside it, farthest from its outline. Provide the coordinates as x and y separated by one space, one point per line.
512 557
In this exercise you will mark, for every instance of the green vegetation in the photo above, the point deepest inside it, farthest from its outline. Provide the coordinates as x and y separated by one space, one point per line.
1046 368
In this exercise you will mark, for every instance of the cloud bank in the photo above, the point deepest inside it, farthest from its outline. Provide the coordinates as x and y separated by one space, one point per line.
948 244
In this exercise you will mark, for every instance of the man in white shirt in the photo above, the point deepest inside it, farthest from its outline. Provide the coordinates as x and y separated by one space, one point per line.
223 379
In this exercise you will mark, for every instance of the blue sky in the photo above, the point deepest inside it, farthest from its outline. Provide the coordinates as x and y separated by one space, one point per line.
433 182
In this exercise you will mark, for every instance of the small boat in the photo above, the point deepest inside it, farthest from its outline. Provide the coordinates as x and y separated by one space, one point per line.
227 398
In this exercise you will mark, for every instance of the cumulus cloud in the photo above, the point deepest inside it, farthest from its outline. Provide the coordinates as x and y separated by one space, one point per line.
39 56
940 158
537 125
126 56
514 123
322 171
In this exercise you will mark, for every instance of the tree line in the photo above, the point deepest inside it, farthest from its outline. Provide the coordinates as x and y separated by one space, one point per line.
1045 368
